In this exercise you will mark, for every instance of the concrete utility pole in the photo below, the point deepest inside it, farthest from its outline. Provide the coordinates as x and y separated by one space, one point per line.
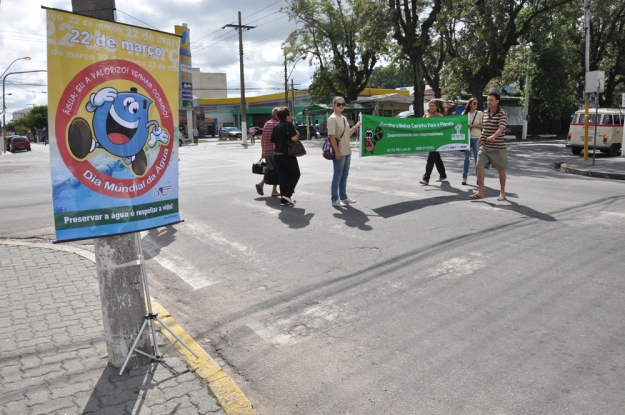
293 99
117 263
286 82
240 28
587 69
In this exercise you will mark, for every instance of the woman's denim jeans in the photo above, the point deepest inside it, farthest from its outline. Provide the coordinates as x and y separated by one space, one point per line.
339 180
467 158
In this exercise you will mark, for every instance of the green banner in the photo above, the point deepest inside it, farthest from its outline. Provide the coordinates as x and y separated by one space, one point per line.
114 216
381 136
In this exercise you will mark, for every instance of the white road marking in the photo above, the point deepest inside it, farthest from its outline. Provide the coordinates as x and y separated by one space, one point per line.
178 265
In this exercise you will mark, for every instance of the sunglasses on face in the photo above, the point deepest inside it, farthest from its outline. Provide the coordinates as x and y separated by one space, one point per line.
474 103
340 104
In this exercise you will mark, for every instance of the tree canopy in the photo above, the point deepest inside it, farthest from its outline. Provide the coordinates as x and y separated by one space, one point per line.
343 45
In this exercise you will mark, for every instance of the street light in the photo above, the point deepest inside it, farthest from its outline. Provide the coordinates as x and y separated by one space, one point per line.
26 58
4 126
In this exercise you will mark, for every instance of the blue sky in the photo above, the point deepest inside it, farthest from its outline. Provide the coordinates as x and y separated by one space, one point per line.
23 33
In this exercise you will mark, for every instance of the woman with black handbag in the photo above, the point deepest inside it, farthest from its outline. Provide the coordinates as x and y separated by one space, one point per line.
287 166
267 153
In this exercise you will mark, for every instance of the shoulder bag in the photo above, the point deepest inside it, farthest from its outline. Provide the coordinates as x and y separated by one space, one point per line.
328 150
296 149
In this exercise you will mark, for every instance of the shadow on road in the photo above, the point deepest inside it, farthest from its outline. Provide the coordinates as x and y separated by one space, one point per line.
160 238
294 217
353 218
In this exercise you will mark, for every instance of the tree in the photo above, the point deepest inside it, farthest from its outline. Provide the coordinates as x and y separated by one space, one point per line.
607 45
552 95
483 34
392 76
344 45
35 120
412 34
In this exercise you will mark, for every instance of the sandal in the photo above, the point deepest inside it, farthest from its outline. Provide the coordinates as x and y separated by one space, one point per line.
501 198
259 189
476 196
276 195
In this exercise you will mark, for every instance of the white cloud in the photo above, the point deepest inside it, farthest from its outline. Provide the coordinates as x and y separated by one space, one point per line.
23 33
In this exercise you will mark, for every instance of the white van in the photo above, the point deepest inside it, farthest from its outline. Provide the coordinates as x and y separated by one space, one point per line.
609 131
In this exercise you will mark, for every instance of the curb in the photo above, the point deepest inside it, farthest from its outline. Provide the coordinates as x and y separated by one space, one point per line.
226 391
565 168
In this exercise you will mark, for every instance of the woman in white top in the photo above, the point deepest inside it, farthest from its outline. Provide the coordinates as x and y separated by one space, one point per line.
339 134
475 128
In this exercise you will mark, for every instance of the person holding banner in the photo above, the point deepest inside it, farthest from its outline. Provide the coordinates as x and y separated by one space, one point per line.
493 149
339 134
475 127
434 157
287 166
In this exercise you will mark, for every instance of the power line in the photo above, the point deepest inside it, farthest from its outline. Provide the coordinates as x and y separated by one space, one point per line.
254 13
264 8
132 17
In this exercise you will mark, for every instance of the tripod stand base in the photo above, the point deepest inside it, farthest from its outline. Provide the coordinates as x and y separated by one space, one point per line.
149 320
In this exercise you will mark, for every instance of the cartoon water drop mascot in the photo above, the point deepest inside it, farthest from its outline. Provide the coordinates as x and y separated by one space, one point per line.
371 140
121 127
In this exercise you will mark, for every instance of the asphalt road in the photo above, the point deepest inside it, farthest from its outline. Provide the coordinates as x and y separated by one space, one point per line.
415 300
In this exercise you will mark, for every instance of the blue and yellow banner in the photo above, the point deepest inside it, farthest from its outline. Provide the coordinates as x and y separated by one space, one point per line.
113 110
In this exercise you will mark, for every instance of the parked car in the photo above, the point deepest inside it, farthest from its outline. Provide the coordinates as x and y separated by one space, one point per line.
230 133
8 145
302 132
609 131
19 143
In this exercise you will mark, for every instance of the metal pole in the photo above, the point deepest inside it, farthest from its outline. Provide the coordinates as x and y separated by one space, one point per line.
594 146
587 69
527 99
286 83
243 118
293 99
4 126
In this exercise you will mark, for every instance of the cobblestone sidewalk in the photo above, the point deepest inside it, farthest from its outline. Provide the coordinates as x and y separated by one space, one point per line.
53 354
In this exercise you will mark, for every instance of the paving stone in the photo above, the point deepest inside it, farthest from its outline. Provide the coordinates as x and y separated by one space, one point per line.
37 395
11 372
180 390
81 398
52 406
70 390
73 366
15 407
175 407
203 401
53 352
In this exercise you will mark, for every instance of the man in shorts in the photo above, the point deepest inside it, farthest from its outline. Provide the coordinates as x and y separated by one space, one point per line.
493 151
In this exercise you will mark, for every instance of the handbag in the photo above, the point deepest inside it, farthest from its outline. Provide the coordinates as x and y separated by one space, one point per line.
296 149
259 166
272 177
328 150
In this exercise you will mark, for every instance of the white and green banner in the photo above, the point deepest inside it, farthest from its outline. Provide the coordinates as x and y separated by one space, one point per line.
381 136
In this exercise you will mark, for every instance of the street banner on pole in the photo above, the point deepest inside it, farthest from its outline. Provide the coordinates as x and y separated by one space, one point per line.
381 136
112 110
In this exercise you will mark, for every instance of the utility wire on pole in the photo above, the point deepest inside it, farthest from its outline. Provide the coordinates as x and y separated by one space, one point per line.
243 120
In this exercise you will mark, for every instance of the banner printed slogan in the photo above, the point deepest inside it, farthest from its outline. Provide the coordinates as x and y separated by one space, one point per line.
113 108
384 135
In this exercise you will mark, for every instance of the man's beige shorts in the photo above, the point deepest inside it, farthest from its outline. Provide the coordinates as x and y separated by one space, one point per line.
497 158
